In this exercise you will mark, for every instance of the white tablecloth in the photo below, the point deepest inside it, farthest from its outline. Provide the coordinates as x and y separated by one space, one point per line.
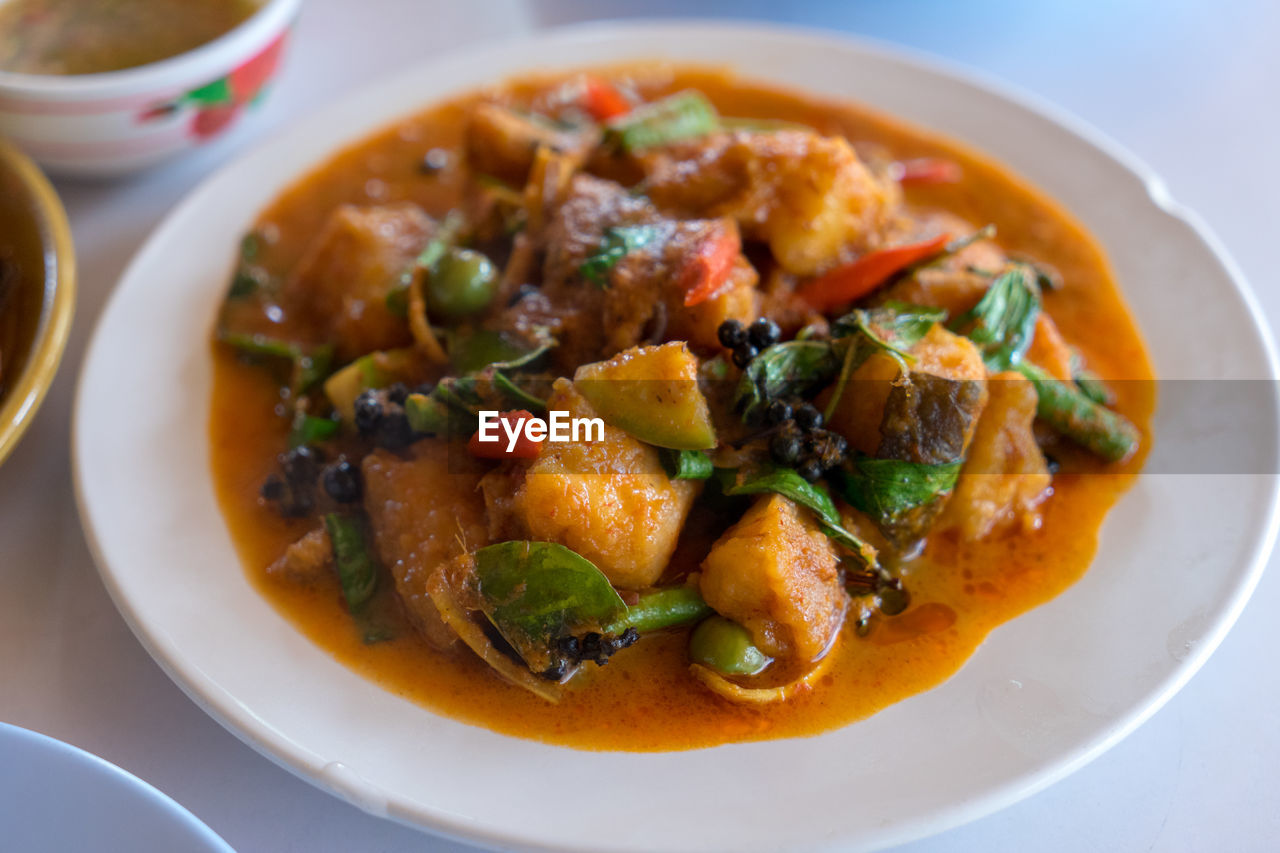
1192 87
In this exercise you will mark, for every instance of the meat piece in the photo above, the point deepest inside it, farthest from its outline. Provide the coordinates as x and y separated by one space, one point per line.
640 299
307 560
503 143
1004 478
611 501
776 573
808 196
423 510
340 285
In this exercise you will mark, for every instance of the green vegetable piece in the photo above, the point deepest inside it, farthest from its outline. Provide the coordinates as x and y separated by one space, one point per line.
308 429
788 483
686 464
901 497
397 299
1003 322
478 349
684 115
308 366
427 414
536 592
513 393
460 284
618 242
726 646
1068 410
375 370
651 393
894 326
790 369
357 569
661 608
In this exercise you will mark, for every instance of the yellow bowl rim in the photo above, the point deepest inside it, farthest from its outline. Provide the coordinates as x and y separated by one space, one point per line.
23 399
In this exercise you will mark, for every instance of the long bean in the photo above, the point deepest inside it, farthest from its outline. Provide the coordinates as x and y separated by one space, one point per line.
661 608
1069 410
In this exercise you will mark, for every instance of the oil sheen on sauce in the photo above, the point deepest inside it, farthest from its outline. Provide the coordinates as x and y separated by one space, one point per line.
645 700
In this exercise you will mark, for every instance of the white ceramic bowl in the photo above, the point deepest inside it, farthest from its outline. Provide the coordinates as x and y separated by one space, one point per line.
120 121
56 797
1177 559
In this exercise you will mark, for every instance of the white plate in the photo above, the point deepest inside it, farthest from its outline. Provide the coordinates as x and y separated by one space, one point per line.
1048 692
55 797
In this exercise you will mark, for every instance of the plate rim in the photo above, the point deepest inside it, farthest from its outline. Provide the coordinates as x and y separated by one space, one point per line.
294 756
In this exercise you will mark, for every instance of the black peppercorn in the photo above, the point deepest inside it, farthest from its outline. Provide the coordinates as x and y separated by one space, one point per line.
744 355
777 412
810 469
731 334
808 417
764 333
341 481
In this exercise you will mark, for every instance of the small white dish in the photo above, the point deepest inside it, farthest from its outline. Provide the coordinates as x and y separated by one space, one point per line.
55 797
122 121
1178 556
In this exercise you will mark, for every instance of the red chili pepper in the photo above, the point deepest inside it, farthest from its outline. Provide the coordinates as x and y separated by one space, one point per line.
856 280
602 100
707 270
525 447
927 170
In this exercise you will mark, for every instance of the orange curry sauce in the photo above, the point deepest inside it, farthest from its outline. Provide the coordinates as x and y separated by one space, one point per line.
645 699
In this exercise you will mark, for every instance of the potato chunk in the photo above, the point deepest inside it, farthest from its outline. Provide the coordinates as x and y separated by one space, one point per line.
808 196
1004 478
342 281
610 501
424 510
775 572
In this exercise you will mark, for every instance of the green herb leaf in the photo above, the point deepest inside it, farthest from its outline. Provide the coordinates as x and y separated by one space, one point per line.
1003 322
895 493
481 348
686 464
790 369
536 592
788 483
684 115
618 242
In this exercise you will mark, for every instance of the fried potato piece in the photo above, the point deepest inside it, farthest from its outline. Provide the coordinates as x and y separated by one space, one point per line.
808 196
341 283
776 573
610 501
1005 478
424 510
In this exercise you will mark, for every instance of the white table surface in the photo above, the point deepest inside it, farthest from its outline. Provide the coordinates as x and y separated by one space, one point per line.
1191 86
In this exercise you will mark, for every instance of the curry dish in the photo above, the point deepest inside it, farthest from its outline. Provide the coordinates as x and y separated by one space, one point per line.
858 398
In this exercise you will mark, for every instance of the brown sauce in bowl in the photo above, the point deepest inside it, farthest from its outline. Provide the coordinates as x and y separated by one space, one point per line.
93 36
